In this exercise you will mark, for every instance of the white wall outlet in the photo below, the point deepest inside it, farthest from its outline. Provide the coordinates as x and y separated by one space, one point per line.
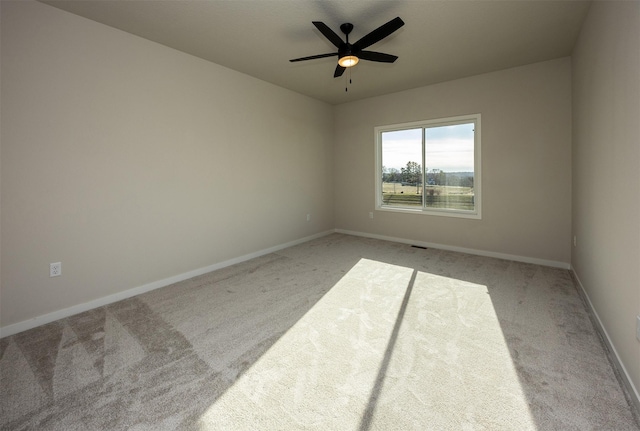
308 217
574 241
55 269
371 214
638 327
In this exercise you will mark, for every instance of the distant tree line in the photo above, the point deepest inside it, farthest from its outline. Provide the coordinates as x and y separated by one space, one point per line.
412 175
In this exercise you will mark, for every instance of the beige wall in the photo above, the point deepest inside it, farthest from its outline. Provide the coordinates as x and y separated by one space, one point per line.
526 161
606 163
130 162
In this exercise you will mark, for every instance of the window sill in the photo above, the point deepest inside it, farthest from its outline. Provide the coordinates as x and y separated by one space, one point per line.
432 212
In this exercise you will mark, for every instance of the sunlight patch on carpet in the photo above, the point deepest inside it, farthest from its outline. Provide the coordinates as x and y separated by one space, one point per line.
351 363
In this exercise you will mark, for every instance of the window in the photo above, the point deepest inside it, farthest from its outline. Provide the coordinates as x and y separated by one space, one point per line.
430 167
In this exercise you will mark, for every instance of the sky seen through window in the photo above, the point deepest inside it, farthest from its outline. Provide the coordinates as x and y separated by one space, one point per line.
448 148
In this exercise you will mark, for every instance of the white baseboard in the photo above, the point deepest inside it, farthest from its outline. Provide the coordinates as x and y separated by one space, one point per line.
70 311
617 362
106 300
532 260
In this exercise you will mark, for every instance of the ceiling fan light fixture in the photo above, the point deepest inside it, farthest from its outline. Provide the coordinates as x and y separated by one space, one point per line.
348 61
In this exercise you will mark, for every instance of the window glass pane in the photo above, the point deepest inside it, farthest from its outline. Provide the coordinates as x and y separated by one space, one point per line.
449 160
402 168
448 182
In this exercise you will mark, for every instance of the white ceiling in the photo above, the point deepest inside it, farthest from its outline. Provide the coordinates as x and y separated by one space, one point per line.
440 41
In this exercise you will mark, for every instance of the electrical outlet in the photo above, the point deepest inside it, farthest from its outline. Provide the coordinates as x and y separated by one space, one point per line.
638 327
574 241
371 214
55 269
308 217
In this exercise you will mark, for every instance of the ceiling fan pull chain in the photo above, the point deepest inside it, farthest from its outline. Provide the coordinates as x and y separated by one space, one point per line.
349 72
346 86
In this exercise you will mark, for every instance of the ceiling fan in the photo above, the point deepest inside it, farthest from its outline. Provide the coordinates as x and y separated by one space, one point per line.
349 54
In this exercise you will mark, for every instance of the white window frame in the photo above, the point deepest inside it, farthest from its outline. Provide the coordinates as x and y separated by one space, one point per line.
477 177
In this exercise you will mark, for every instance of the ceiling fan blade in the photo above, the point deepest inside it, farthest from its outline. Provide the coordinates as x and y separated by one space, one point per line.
328 33
313 57
339 71
379 33
377 56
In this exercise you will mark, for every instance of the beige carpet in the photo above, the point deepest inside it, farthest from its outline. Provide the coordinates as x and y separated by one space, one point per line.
341 333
